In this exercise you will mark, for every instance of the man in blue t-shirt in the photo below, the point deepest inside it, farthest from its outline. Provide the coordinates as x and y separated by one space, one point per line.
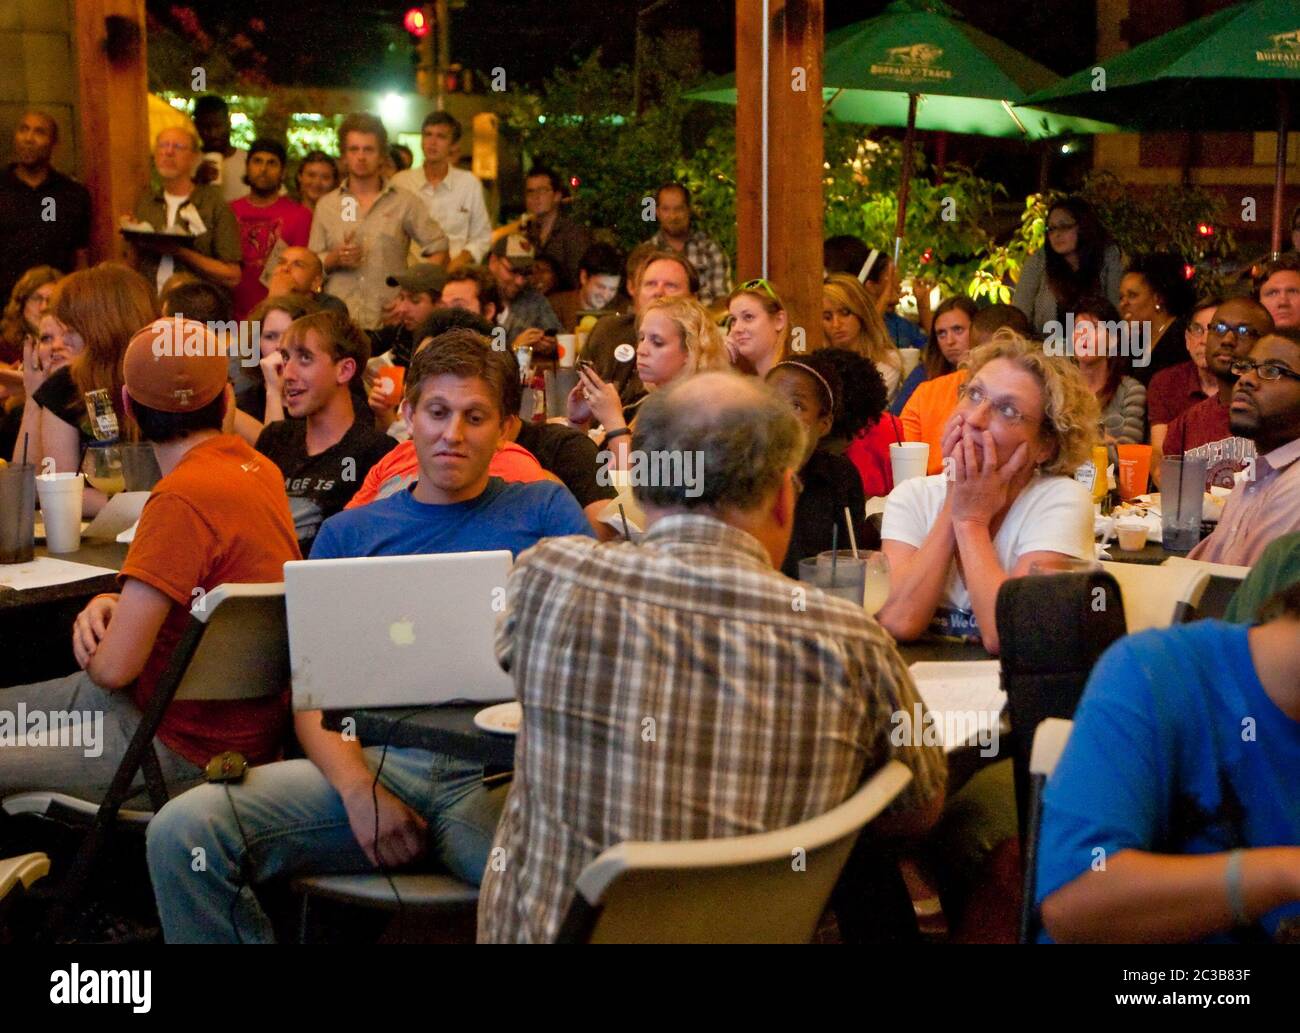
1174 813
327 813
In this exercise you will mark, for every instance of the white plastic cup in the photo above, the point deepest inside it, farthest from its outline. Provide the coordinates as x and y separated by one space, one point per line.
60 495
1132 535
568 349
911 359
908 459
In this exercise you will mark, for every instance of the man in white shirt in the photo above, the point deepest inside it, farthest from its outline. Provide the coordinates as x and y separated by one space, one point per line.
453 196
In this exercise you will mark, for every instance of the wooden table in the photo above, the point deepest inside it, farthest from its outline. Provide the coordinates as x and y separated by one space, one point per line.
36 624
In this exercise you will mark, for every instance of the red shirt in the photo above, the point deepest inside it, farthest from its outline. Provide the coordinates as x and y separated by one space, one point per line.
1173 391
869 452
1200 424
259 231
221 516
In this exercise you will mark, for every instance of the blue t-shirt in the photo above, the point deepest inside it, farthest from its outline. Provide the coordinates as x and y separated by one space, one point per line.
905 333
1176 749
914 380
506 516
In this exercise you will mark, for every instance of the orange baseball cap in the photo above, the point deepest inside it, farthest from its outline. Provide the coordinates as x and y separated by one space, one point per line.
175 365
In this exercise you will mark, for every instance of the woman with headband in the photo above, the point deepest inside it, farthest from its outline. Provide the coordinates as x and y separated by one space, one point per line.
831 484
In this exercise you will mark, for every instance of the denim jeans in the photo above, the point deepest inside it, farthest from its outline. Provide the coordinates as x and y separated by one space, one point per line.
210 847
79 760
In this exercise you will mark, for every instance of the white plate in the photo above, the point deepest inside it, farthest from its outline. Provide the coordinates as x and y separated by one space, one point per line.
503 718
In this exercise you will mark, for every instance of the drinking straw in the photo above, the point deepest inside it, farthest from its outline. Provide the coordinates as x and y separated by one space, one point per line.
623 517
853 538
835 550
19 508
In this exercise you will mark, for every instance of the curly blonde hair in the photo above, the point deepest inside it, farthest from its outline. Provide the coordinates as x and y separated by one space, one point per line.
1070 411
701 336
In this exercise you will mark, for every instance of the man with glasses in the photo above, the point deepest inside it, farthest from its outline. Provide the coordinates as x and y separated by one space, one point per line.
1265 408
557 236
526 315
1203 430
199 214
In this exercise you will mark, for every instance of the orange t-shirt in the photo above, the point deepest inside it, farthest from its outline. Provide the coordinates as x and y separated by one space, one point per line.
927 411
401 468
221 516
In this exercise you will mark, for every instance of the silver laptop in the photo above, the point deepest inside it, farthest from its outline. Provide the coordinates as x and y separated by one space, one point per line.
396 630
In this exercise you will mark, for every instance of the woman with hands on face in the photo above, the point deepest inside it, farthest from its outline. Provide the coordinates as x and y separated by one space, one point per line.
1005 499
676 337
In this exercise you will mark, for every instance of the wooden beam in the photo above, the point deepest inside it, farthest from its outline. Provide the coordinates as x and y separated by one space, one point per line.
793 256
114 114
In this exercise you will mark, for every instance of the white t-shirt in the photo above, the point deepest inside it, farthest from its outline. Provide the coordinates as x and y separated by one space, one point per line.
167 264
1052 514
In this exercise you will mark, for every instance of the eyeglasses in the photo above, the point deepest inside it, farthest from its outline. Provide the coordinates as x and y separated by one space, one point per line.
172 147
1061 227
977 396
760 285
1264 370
1241 331
1197 329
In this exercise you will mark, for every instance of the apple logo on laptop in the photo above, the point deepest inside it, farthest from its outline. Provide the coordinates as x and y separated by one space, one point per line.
402 633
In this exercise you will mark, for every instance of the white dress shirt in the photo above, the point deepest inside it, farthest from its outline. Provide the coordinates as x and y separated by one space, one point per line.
456 204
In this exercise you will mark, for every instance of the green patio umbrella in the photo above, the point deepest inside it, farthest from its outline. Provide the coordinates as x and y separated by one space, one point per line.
1238 69
919 65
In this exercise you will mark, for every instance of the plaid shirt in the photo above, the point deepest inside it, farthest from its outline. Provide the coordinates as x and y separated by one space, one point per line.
678 689
710 261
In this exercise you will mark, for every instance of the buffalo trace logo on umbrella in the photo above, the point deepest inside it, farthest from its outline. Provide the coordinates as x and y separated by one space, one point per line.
1285 50
912 62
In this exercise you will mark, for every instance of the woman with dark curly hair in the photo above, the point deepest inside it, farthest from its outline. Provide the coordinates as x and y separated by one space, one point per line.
862 430
831 487
1078 259
1155 297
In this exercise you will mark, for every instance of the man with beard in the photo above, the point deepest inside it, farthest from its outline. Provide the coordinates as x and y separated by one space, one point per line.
267 220
1203 430
1265 408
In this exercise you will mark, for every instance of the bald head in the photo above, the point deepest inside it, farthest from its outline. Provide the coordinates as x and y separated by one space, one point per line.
34 139
299 271
742 437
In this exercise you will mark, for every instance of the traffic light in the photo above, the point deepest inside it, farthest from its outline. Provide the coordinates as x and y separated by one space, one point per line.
416 22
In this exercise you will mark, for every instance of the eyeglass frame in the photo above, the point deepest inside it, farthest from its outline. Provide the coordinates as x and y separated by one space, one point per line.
1240 367
1060 227
1014 419
1220 328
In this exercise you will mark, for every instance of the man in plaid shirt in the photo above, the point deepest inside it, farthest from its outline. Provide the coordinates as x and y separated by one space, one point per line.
682 688
673 210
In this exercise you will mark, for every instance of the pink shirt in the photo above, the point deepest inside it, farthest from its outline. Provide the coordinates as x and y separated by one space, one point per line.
1258 510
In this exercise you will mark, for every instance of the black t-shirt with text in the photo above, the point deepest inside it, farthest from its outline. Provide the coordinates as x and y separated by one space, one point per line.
319 486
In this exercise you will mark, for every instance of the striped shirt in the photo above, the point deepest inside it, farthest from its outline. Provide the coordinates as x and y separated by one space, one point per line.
679 689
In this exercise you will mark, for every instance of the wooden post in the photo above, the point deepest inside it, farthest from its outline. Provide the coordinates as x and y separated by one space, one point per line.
793 255
114 113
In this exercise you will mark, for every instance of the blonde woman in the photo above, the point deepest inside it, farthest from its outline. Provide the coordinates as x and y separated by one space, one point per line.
1007 498
676 338
758 335
851 320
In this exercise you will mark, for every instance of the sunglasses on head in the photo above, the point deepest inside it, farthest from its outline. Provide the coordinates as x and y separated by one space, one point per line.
760 285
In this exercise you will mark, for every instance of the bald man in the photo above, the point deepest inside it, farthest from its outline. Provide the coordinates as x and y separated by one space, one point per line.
44 215
299 271
199 213
776 698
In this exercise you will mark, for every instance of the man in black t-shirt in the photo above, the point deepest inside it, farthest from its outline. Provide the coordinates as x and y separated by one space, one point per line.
322 449
44 215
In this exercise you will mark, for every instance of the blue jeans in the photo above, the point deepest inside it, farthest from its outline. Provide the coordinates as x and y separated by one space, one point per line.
75 755
288 820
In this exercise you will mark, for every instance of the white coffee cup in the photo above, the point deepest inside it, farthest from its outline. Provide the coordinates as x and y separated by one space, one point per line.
908 459
60 495
911 359
1132 534
568 349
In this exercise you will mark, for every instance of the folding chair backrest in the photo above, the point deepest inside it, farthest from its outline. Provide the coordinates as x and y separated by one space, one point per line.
1158 596
1049 744
1052 631
766 888
243 644
1224 580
